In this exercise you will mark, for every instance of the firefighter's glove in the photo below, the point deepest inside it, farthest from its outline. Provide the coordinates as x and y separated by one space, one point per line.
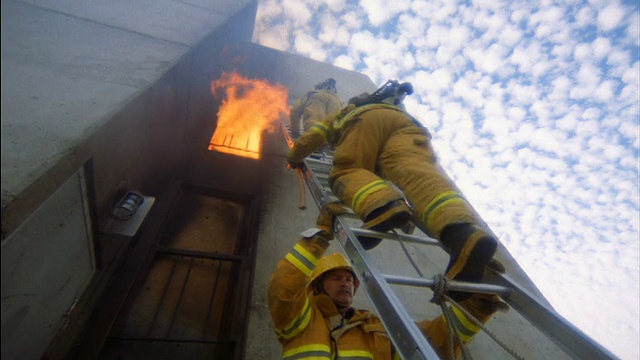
293 159
327 217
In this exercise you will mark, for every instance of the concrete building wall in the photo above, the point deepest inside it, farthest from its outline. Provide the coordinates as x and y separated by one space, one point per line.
46 265
101 90
70 67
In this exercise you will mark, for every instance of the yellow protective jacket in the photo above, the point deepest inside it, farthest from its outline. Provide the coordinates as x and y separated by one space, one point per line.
310 326
378 144
481 306
329 129
312 107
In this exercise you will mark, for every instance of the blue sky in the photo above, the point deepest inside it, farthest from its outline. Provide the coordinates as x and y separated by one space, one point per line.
534 110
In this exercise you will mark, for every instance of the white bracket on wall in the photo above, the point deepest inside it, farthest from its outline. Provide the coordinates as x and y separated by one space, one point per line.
128 226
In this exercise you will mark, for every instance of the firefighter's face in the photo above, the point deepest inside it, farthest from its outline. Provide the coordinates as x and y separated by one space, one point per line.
340 287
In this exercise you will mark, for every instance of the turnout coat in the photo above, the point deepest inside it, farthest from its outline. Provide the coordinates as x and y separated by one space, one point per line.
310 326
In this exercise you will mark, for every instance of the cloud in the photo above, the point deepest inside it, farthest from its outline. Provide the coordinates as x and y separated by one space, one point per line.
310 46
524 57
276 37
268 10
582 52
633 29
435 36
380 11
439 80
601 47
628 129
335 6
584 17
487 60
344 61
610 17
465 90
412 26
631 76
523 94
352 19
332 33
297 11
362 42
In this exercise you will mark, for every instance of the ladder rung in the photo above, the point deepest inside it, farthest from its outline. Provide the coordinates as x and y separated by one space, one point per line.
453 285
396 236
407 338
318 161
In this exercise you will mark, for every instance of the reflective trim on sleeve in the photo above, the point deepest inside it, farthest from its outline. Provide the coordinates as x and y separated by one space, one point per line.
436 204
308 352
354 355
298 324
466 328
320 128
302 259
364 192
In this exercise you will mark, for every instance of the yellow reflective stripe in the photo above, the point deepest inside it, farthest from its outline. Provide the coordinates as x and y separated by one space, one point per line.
436 204
302 259
362 194
320 128
467 328
359 110
310 352
354 355
298 324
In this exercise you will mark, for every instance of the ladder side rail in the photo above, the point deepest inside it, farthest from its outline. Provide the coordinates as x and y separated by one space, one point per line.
571 339
452 285
403 331
319 194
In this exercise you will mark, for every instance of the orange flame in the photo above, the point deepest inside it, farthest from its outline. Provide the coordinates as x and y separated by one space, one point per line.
250 107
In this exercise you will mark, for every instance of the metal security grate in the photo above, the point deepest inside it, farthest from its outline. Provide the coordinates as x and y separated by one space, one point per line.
189 304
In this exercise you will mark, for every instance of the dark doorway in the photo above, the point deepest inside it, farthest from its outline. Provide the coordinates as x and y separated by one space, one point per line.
192 301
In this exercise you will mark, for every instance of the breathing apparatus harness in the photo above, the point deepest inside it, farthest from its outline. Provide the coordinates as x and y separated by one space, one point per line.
392 93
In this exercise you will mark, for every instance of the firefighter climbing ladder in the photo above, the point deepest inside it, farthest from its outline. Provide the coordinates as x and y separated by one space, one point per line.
406 337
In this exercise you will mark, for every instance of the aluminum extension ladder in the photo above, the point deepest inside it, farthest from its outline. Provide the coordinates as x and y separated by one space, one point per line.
406 337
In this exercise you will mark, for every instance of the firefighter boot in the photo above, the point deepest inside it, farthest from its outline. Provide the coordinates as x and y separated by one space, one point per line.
392 215
480 306
470 248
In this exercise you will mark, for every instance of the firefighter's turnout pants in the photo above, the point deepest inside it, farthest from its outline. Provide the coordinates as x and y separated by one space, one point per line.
390 143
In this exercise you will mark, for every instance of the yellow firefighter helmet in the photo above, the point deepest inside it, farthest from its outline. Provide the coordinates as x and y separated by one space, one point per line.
327 263
329 85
